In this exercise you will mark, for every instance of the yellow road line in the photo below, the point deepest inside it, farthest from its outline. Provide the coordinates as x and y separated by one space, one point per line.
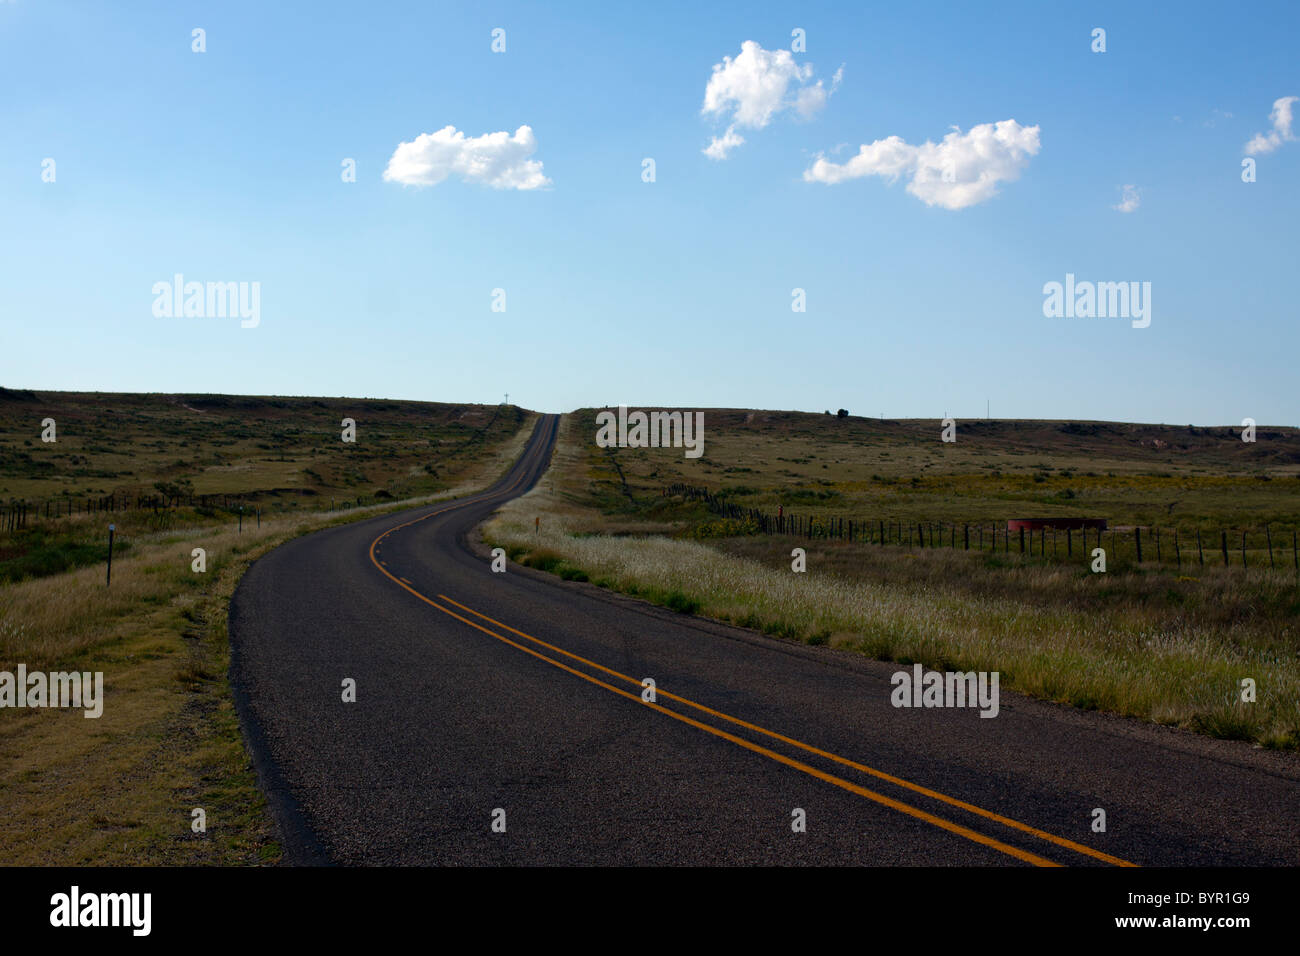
898 805
844 761
890 802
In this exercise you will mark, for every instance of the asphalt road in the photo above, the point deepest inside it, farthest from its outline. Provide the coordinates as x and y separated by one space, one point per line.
484 696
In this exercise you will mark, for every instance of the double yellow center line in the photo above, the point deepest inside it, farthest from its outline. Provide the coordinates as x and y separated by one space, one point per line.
851 787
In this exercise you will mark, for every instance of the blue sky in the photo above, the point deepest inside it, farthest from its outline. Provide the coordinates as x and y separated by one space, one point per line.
225 166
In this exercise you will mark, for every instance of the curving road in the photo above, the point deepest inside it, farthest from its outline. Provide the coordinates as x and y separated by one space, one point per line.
483 696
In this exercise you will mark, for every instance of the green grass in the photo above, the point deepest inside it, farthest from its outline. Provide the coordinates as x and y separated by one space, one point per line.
675 600
36 552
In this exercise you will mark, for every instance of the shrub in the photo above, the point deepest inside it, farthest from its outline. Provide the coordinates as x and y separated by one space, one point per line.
678 601
543 560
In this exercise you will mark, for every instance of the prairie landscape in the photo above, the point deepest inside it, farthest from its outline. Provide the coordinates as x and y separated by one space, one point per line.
1168 639
169 736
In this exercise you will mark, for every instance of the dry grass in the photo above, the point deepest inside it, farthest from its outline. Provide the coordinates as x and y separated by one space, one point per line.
120 789
1046 629
280 451
863 468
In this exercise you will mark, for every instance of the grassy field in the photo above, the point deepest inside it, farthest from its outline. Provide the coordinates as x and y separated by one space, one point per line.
1156 642
270 456
863 467
1151 642
283 452
120 789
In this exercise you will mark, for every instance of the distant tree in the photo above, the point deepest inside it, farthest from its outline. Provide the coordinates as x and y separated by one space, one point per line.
842 413
174 490
828 411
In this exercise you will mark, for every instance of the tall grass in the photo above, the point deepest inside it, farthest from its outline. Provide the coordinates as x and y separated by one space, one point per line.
1063 646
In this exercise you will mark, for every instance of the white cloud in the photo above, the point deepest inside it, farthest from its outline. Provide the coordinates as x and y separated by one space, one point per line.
961 171
1130 201
756 86
810 99
720 145
1281 131
499 160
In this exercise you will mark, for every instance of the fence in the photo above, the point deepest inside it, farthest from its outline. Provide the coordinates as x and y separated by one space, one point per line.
1176 546
16 515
